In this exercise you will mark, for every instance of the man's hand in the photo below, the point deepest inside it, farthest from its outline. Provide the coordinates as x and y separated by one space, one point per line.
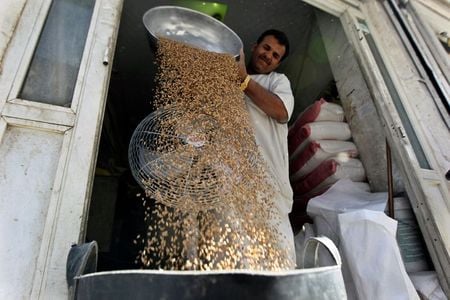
241 64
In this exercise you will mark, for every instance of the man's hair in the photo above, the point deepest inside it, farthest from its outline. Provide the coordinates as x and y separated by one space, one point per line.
281 38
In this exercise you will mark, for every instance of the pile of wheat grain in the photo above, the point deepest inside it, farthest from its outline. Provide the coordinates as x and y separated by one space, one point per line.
214 202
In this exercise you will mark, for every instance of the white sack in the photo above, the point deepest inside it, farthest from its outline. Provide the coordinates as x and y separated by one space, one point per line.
351 168
320 110
373 257
427 285
324 130
343 197
364 186
324 150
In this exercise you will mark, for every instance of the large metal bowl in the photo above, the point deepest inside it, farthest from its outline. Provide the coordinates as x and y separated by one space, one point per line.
191 27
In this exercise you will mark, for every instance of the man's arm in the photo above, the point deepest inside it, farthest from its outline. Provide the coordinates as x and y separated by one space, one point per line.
267 101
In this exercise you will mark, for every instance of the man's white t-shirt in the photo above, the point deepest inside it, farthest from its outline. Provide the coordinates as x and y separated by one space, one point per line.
271 137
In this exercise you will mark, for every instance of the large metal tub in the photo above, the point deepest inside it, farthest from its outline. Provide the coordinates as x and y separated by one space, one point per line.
308 283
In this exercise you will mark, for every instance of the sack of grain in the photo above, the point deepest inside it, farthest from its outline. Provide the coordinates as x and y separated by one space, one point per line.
328 172
301 200
323 130
320 110
318 151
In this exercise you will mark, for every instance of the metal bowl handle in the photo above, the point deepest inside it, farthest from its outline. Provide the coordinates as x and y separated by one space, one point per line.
310 255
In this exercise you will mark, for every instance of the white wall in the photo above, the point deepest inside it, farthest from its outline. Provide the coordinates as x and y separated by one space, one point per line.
10 12
436 13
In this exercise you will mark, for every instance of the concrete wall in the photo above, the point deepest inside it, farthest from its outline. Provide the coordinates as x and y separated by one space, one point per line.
360 112
436 13
10 12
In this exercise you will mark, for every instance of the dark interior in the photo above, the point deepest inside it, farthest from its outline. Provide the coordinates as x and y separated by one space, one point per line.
116 214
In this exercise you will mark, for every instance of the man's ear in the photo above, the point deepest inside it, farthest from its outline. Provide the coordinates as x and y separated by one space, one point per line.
254 46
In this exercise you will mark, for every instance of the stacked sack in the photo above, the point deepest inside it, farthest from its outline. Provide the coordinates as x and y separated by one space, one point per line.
320 153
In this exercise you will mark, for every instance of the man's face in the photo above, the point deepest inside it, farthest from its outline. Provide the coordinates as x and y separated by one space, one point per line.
266 56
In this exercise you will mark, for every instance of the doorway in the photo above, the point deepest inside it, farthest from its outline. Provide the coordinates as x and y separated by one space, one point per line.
116 214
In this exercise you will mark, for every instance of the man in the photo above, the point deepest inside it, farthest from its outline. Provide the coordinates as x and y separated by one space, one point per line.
270 104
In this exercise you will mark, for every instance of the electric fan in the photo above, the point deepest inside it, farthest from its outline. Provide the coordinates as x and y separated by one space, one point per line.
175 156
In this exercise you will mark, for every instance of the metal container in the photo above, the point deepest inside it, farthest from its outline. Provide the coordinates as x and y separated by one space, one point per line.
191 27
308 283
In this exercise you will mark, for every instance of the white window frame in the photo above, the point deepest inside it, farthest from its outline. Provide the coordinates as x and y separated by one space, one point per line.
427 189
80 124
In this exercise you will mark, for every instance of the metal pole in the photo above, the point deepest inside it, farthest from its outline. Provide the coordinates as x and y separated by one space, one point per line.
390 183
